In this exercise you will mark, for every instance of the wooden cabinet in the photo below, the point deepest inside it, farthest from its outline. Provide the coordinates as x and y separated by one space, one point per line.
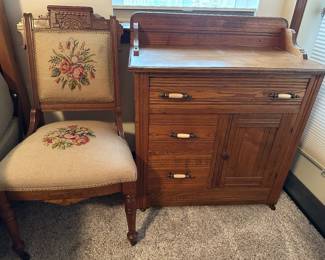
217 124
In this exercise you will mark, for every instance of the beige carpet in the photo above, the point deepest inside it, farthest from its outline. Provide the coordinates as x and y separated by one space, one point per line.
96 229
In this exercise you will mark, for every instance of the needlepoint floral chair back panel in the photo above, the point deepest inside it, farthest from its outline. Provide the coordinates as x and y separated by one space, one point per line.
72 57
73 66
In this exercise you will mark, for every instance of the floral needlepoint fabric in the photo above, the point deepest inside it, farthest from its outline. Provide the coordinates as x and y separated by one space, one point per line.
66 137
72 64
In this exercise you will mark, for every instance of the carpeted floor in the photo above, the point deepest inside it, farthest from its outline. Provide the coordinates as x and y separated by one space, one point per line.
96 229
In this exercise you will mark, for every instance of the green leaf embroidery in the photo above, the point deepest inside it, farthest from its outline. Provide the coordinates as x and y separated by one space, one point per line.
64 83
84 81
72 84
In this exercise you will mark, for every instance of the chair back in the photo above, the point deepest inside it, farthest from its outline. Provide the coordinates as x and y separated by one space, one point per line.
73 59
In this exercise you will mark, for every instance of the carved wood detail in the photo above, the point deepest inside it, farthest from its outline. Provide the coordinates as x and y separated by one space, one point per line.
68 18
129 191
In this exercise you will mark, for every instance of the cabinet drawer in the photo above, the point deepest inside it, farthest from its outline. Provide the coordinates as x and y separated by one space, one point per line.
182 134
233 90
172 161
178 179
208 196
173 148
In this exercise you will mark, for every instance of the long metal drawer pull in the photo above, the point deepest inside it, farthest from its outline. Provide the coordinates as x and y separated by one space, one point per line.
182 135
275 95
179 175
175 95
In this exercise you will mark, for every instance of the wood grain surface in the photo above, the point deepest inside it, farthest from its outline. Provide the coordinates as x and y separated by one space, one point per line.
241 90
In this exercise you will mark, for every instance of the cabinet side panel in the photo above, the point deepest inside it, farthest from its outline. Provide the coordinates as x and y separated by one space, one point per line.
141 86
297 128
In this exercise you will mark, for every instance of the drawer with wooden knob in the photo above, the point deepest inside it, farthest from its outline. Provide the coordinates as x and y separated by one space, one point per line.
167 160
188 93
182 133
178 179
195 95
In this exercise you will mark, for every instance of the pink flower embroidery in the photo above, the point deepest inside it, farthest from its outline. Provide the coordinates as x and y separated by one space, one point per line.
65 66
77 72
82 140
72 65
66 137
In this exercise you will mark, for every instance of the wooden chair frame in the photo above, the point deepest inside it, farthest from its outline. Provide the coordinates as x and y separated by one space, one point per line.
76 18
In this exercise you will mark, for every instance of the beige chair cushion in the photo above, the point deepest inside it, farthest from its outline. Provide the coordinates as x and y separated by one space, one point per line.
74 67
68 155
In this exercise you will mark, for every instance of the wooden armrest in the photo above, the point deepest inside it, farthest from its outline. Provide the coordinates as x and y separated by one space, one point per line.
34 121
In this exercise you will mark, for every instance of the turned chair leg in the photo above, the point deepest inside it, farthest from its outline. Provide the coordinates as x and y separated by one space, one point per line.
8 217
129 191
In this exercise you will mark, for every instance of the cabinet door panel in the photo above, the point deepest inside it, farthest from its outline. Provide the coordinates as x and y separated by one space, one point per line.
250 154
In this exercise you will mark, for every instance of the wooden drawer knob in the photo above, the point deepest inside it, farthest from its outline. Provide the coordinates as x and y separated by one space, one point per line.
225 156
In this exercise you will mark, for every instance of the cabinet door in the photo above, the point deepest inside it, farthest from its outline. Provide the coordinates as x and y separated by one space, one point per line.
252 150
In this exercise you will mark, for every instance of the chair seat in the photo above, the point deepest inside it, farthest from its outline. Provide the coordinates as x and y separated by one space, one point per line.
68 155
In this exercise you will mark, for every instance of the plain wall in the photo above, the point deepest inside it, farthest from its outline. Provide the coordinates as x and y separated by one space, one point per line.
310 24
287 9
270 8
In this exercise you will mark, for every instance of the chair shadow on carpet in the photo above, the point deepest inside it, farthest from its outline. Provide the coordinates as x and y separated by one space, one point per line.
151 213
149 219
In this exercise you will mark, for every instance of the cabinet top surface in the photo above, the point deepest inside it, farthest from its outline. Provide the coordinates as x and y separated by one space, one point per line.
219 59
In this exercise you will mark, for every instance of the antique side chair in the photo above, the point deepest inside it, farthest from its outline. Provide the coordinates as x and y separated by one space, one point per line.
73 61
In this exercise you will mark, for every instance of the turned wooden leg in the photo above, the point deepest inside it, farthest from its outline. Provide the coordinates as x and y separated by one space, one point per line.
129 191
8 217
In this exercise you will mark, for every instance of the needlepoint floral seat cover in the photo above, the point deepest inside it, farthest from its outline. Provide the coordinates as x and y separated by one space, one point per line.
73 67
68 155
